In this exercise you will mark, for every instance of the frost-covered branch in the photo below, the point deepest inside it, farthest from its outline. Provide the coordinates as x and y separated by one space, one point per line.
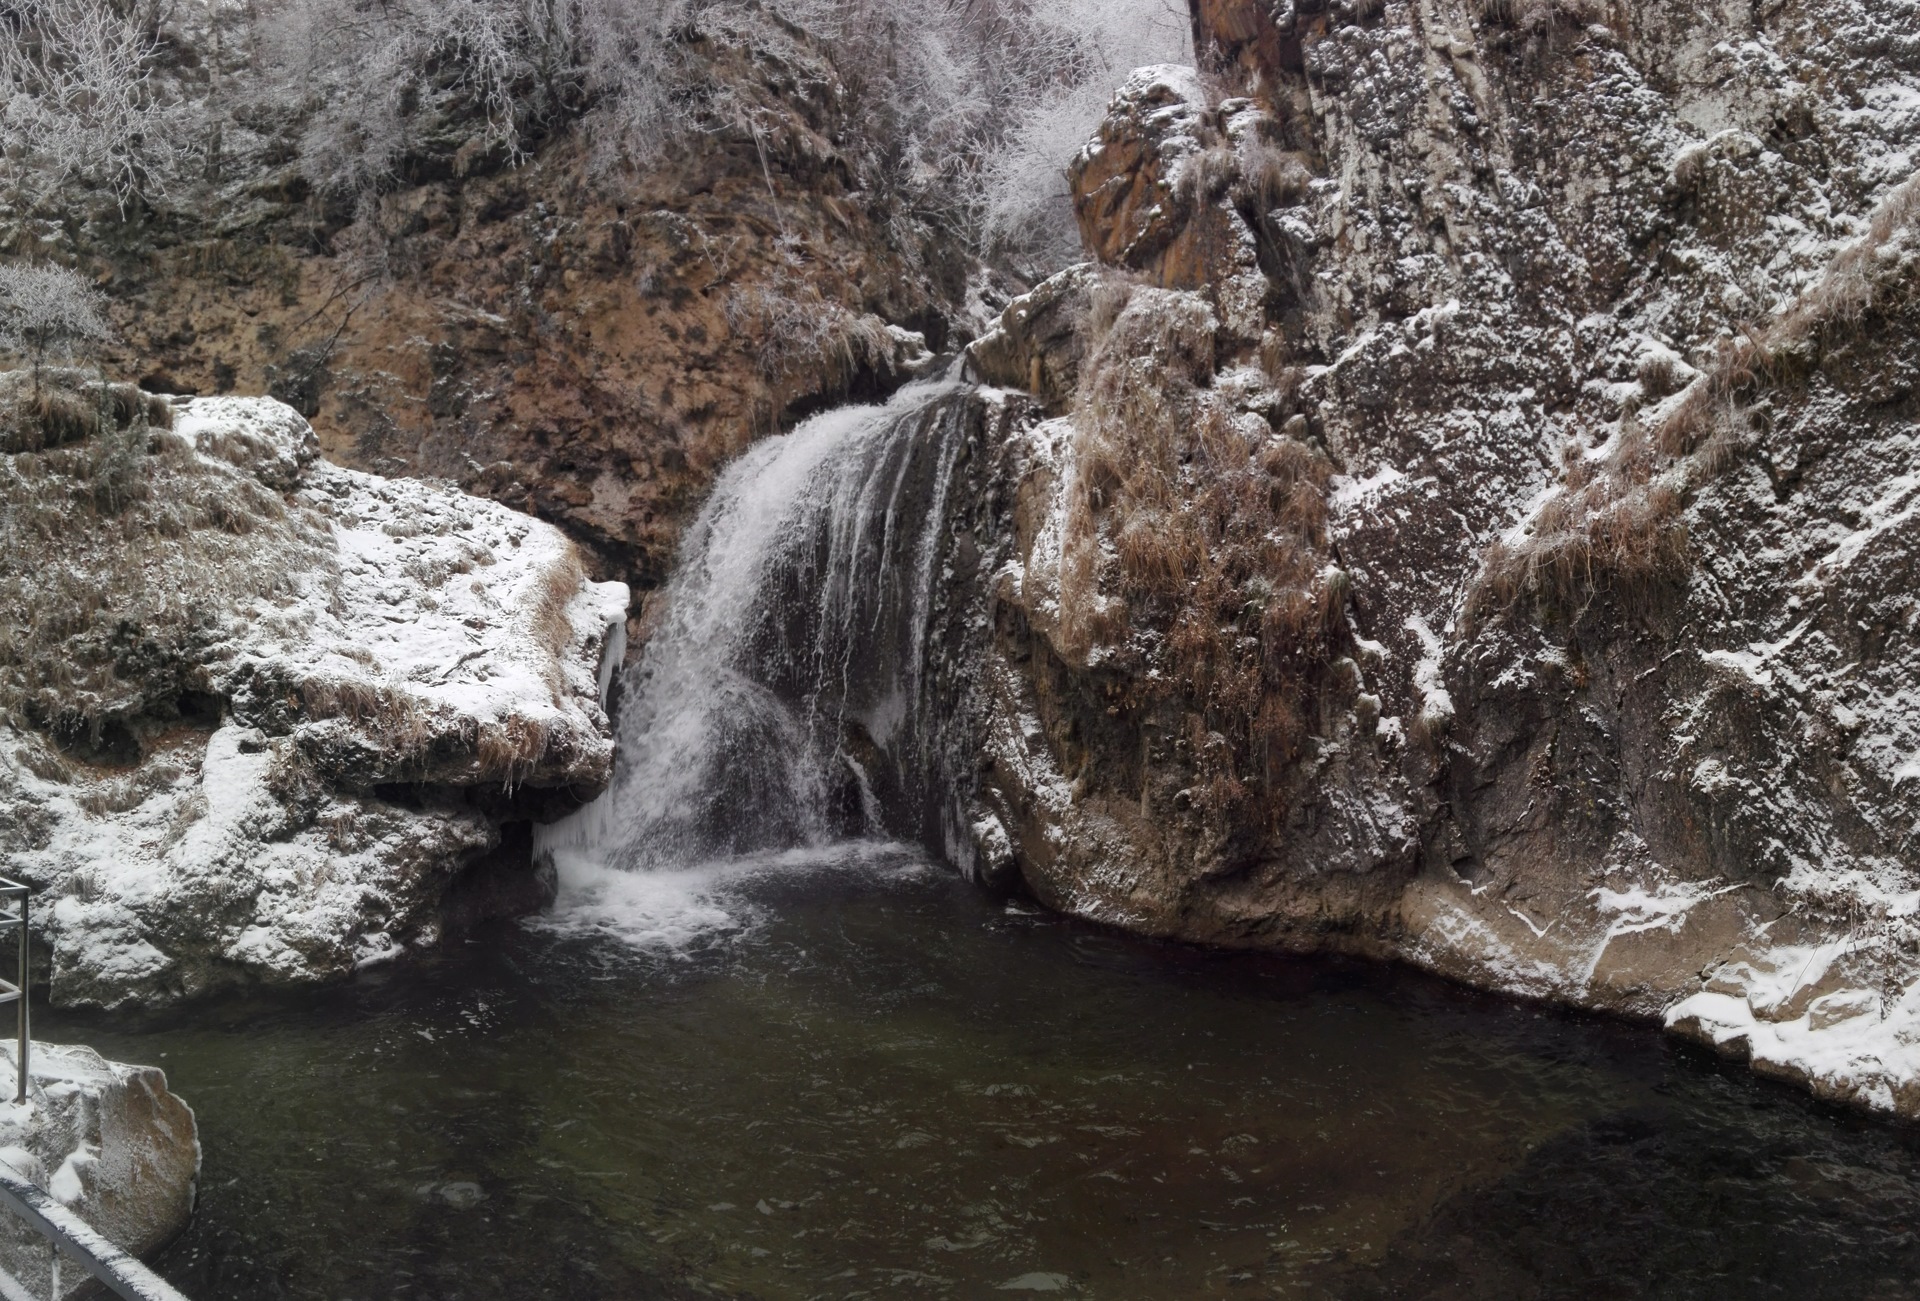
79 100
956 114
48 310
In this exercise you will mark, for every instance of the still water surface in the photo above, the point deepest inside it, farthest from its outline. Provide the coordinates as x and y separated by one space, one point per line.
851 1075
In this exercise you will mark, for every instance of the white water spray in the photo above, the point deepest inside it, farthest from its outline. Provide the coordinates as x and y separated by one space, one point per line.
788 665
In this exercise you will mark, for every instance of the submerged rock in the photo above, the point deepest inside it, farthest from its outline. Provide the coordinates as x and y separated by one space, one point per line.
272 719
107 1140
1480 530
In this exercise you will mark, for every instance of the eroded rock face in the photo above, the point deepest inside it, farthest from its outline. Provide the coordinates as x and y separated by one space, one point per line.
581 342
1603 319
319 738
106 1139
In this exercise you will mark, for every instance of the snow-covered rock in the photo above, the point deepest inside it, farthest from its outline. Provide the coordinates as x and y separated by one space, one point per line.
107 1140
1541 272
311 729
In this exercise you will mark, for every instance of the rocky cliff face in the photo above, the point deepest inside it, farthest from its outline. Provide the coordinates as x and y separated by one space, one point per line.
580 341
1476 523
270 719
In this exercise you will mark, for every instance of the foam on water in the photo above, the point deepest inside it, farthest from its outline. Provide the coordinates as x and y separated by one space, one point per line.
679 912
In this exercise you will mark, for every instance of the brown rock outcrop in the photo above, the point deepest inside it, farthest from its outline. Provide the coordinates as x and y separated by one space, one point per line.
567 337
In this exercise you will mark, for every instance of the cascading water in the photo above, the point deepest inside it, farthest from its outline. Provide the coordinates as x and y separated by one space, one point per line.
784 700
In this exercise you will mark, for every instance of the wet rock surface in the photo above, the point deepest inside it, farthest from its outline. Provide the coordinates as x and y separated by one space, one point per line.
1603 320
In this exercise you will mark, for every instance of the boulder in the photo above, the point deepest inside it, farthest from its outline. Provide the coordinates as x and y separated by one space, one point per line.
105 1139
294 706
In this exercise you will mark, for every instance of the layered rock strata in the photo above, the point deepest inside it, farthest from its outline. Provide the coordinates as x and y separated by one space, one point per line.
271 719
1476 525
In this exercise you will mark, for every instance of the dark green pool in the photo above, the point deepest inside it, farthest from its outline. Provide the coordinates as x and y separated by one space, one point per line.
854 1076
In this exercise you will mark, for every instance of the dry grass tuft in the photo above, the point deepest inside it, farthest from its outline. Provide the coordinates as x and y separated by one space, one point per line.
1270 177
69 406
395 717
513 749
123 556
804 341
1196 541
558 587
1207 177
1615 527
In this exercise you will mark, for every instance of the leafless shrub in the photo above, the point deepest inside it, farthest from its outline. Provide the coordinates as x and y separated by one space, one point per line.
48 309
77 93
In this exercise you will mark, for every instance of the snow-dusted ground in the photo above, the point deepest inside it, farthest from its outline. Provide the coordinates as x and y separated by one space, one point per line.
436 670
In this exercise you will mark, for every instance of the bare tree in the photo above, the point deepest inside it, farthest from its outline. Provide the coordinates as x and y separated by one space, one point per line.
1077 54
48 310
79 101
959 114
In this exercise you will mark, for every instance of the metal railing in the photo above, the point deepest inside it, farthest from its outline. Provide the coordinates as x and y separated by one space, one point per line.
69 1235
16 992
66 1234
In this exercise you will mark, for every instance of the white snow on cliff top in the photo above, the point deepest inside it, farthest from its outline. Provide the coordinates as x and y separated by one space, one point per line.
465 605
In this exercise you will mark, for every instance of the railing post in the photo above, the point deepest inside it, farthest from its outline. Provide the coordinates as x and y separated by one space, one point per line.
26 1037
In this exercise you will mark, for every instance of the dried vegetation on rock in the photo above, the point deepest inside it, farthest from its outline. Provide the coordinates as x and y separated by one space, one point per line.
1602 318
262 718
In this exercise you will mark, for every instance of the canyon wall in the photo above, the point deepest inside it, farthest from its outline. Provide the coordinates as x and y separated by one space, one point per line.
578 338
1476 524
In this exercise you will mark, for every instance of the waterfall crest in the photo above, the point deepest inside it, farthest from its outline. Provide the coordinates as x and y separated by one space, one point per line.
783 702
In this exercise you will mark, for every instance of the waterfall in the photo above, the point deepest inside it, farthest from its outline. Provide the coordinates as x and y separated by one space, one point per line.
784 701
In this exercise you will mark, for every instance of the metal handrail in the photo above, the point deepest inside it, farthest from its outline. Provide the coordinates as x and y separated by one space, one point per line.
64 1231
67 1233
16 993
